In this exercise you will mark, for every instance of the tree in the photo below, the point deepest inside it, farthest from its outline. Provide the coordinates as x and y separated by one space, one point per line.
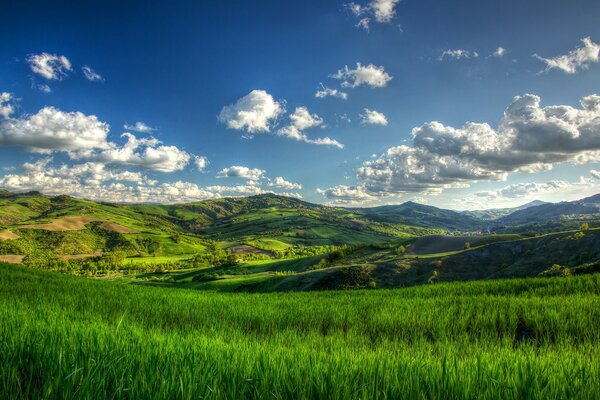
584 227
400 250
467 245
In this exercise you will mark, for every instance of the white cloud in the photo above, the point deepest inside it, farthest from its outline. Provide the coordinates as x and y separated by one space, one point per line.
301 119
145 153
595 173
364 23
575 60
529 138
373 117
243 190
520 190
500 52
201 162
370 75
51 129
6 106
279 182
236 171
50 66
91 75
86 137
344 195
44 88
254 112
458 54
94 181
247 190
383 11
140 127
328 92
519 193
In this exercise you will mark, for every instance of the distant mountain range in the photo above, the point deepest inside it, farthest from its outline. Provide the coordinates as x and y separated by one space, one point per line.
495 213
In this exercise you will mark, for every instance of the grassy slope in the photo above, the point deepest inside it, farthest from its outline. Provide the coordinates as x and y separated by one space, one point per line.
268 222
66 337
493 257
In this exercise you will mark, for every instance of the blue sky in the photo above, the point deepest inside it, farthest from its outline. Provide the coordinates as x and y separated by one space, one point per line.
229 90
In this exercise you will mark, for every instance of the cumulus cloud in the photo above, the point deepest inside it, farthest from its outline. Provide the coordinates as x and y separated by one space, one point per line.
53 129
85 137
383 11
236 171
6 106
529 138
91 75
242 190
301 119
500 52
372 117
328 92
369 75
458 54
49 66
201 162
575 60
139 127
254 112
146 153
280 182
520 190
346 194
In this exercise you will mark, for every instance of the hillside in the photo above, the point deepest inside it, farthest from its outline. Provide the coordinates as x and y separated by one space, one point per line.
415 214
545 213
270 242
41 227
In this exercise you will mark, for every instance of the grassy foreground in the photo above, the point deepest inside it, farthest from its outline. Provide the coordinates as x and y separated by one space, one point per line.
70 337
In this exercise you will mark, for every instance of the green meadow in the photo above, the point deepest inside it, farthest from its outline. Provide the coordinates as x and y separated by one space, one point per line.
71 337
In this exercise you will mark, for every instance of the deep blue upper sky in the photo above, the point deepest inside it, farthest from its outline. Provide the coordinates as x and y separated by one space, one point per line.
175 65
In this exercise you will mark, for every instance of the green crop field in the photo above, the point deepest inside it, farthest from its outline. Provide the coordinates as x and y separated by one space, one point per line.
71 337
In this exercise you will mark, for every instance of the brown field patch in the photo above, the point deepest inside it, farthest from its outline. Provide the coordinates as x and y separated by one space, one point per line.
74 223
11 258
111 226
246 249
98 253
77 223
8 235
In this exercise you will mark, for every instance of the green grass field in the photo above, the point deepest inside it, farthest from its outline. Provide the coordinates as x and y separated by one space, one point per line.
71 337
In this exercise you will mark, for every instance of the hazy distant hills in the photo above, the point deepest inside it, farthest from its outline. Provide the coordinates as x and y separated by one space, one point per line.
495 213
552 211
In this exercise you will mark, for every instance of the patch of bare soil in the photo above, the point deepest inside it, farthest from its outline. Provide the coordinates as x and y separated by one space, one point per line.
74 223
77 223
10 258
114 227
98 253
8 235
246 249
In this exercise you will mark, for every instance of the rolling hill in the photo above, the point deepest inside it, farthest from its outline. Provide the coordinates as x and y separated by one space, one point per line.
416 214
270 242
